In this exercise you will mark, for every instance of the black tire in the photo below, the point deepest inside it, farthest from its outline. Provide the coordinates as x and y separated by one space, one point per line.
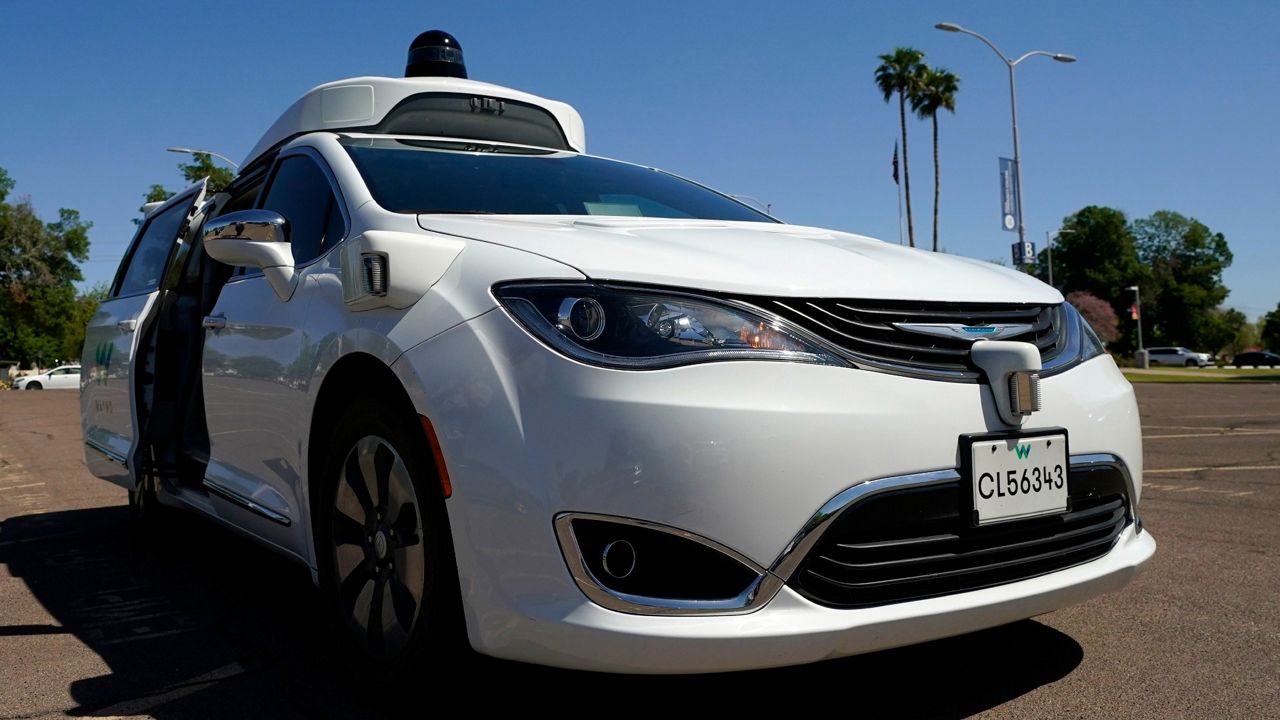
1192 363
34 386
360 539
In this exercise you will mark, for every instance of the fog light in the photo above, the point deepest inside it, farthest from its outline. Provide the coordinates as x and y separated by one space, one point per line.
677 566
581 317
619 559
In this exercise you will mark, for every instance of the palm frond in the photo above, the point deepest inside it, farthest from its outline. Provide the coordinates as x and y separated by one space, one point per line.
899 71
935 90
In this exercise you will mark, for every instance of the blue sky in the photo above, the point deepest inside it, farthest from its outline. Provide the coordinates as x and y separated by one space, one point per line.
1172 105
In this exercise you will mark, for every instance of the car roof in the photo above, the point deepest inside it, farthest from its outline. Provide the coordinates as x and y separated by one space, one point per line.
364 101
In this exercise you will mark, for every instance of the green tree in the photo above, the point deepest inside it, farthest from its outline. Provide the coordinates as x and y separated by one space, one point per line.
1099 255
1226 332
200 167
38 271
936 91
899 72
1269 333
82 311
1186 260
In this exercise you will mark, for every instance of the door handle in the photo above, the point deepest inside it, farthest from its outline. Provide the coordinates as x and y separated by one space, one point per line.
127 325
214 323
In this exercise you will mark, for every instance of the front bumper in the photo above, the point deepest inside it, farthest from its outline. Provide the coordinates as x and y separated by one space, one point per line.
791 630
740 453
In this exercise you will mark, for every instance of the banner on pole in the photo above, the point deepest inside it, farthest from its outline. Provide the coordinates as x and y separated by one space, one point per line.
1009 219
1024 253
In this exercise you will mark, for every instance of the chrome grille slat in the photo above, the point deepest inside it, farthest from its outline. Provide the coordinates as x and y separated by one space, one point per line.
867 330
918 542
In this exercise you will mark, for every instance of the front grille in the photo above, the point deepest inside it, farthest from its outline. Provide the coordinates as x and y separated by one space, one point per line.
866 329
914 543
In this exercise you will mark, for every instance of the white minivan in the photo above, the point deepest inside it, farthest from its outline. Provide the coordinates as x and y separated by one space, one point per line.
586 413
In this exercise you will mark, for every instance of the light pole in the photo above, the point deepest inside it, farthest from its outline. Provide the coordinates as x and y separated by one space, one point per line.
1137 305
1013 106
192 151
1048 247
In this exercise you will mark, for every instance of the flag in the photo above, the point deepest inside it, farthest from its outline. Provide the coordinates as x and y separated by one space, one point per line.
1133 311
895 163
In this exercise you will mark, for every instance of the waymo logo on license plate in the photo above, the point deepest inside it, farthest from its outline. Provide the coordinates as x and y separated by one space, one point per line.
1018 477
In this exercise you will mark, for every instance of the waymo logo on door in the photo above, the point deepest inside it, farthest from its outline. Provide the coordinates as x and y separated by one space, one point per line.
1024 451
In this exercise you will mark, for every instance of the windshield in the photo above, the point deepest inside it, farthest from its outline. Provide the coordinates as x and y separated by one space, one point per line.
428 176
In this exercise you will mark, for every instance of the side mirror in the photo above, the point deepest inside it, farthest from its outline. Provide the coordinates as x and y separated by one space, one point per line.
256 239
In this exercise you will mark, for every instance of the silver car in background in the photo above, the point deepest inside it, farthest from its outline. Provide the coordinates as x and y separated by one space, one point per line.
1180 356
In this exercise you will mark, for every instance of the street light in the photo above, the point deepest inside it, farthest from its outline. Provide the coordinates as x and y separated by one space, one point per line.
1048 242
1137 305
192 151
1013 106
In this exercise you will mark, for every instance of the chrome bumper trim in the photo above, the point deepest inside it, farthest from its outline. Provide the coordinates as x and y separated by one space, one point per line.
759 592
769 581
244 502
796 551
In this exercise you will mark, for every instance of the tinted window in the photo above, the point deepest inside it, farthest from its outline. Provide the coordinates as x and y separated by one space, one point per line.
301 193
416 176
146 262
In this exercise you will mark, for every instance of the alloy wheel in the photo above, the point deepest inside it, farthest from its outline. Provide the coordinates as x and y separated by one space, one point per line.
379 554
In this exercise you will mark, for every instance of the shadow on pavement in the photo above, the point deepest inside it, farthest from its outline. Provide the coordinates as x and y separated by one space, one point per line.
196 622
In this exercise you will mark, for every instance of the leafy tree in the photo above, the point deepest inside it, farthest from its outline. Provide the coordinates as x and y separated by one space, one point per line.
1227 332
1186 260
200 167
38 269
1098 313
899 72
935 91
1099 256
1269 334
86 305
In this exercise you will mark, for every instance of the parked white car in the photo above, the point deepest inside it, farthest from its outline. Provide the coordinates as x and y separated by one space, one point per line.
589 414
63 377
1179 356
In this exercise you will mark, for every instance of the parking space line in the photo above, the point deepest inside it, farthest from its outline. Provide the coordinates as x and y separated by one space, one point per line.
1195 488
1236 433
1230 468
19 487
1187 427
1235 415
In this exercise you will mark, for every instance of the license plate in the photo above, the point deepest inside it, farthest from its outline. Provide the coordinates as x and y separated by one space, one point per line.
1018 477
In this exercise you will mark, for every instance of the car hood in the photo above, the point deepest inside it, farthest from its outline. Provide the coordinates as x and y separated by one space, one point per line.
748 258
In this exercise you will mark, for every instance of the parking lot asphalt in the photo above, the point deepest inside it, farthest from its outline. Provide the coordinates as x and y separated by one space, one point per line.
99 619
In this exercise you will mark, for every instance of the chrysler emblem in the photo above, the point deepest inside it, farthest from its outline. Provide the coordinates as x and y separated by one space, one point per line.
967 332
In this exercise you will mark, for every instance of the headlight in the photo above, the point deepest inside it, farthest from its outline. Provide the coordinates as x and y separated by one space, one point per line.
643 329
1090 345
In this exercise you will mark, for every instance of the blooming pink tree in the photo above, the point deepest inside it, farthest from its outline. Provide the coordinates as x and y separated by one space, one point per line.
1099 314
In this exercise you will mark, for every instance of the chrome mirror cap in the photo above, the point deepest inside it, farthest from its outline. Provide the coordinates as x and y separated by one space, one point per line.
251 225
255 239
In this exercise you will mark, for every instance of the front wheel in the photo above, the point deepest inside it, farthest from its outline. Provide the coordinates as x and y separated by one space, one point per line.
34 386
1192 363
386 561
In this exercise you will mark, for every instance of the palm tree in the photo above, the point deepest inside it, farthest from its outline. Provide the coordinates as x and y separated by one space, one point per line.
899 73
935 91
